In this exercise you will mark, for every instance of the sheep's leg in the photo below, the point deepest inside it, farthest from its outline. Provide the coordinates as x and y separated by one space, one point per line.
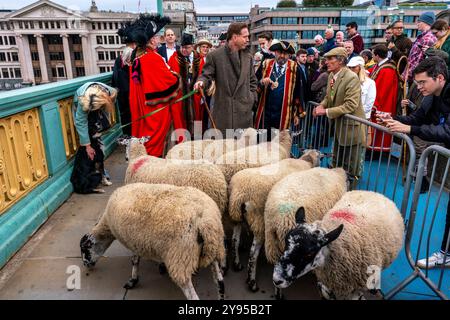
252 262
278 294
218 279
357 295
326 293
224 262
134 273
189 291
237 266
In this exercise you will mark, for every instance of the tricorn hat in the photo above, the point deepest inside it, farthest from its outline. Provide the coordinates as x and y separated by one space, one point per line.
147 26
187 39
282 46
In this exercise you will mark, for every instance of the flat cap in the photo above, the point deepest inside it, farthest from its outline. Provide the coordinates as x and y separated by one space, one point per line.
337 52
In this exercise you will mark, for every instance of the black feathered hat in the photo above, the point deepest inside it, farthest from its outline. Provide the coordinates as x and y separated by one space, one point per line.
126 32
187 39
147 26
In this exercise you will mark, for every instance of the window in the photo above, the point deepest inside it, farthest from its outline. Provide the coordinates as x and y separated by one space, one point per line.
2 56
105 25
284 20
78 55
54 39
58 24
40 25
14 56
37 73
46 25
5 73
54 73
17 73
1 41
61 72
34 56
93 26
102 69
32 40
112 55
52 25
101 56
285 35
20 25
99 40
56 56
12 40
111 40
76 39
80 71
110 25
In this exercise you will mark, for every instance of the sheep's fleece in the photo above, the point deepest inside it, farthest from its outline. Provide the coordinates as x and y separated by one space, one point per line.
317 190
372 236
206 177
163 223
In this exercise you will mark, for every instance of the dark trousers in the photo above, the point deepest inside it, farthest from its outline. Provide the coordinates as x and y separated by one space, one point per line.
447 228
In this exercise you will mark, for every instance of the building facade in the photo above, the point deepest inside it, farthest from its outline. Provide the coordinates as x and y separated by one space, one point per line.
46 42
300 25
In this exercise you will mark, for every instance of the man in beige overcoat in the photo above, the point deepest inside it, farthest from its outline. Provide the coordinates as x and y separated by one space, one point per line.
344 97
231 68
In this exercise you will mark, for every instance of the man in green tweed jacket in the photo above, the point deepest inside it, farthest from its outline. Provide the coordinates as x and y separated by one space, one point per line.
344 97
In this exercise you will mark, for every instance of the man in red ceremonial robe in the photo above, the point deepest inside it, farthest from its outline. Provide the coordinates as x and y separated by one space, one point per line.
188 64
152 85
279 81
386 79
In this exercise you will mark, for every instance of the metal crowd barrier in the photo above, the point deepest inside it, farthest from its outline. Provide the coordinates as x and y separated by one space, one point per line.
384 163
422 223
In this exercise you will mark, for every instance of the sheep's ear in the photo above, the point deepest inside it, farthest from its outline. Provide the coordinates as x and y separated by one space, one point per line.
300 216
332 235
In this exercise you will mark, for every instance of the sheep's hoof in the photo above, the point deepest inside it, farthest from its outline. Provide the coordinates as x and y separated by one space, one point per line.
131 283
252 285
238 267
162 269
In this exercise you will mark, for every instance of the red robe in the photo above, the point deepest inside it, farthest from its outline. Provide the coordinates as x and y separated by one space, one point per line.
152 86
185 112
290 105
386 81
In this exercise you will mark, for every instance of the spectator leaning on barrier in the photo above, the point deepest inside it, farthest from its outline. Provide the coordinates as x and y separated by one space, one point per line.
430 122
344 97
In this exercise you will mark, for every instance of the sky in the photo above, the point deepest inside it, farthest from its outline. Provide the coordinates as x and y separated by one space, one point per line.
202 6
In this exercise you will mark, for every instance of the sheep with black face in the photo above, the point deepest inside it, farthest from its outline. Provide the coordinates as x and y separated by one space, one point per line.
362 232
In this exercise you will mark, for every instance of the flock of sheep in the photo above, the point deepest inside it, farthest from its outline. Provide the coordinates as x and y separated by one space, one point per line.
172 211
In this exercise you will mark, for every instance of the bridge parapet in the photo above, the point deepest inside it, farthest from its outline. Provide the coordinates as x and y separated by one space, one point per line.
38 141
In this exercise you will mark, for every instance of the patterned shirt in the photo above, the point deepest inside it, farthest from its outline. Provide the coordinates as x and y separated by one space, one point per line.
416 55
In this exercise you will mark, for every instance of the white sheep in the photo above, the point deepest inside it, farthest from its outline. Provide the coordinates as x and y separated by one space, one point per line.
358 238
249 189
317 190
179 226
206 177
212 149
256 155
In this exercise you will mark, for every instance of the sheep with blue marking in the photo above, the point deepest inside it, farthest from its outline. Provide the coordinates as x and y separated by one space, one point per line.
249 189
178 226
361 234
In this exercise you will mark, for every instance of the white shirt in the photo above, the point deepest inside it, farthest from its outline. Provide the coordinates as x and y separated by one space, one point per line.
170 52
383 62
368 95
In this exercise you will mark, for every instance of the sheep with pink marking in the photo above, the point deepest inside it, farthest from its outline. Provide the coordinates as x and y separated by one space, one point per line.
362 234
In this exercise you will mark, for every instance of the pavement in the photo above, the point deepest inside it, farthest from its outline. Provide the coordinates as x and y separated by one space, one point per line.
49 266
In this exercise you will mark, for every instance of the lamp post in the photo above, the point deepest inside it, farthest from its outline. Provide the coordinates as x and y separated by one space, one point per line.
160 7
